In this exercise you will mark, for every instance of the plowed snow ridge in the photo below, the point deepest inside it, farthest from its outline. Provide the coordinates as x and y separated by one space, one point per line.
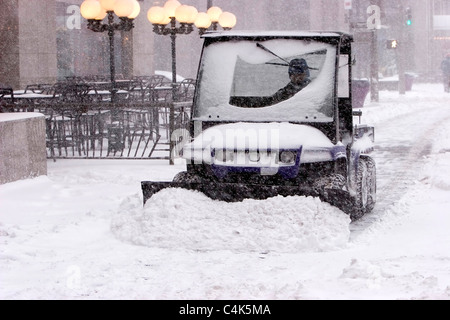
279 224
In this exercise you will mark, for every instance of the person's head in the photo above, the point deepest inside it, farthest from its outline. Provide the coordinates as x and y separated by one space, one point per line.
298 70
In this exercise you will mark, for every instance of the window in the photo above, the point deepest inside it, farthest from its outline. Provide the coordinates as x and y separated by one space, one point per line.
343 85
238 78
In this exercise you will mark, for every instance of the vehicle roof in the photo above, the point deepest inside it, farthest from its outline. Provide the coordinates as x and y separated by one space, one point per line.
290 33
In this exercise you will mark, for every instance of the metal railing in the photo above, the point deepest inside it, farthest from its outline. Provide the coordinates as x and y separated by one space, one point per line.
131 131
82 122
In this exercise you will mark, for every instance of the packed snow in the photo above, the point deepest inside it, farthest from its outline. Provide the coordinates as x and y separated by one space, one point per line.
81 232
197 223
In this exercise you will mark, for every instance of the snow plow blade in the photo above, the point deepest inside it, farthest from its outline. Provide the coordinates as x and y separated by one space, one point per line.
236 192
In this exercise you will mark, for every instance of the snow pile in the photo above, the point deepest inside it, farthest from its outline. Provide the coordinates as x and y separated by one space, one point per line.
177 218
437 171
364 271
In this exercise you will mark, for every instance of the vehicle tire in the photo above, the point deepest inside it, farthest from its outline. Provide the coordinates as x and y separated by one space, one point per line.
332 181
188 177
365 188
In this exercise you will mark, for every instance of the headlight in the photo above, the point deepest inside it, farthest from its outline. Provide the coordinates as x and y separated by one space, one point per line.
224 155
254 156
287 157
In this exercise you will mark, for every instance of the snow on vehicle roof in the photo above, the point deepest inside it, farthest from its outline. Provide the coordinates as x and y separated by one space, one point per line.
290 33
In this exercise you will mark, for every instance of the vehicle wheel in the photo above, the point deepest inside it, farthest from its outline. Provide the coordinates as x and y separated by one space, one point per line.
332 181
187 177
365 188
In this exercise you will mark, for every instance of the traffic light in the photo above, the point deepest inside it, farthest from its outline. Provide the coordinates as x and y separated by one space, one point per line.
391 44
408 17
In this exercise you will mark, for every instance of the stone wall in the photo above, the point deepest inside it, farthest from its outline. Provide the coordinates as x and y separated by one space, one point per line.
37 42
9 44
22 146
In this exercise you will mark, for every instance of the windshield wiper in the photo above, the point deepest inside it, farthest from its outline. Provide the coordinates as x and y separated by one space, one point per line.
259 45
277 64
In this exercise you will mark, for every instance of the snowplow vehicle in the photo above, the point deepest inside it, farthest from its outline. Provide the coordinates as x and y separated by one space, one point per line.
272 115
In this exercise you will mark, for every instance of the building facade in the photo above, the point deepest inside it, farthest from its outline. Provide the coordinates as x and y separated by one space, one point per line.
47 40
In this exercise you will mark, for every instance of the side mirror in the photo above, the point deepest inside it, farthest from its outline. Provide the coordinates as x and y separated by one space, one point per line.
357 113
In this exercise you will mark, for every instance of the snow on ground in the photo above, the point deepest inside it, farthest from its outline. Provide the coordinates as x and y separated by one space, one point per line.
292 224
82 233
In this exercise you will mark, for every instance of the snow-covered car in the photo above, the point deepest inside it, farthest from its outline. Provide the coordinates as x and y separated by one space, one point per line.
253 138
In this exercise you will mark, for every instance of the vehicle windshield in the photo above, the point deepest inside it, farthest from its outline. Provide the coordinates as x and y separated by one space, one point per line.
252 81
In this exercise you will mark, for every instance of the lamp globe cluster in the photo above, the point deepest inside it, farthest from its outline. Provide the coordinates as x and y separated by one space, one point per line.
98 9
185 14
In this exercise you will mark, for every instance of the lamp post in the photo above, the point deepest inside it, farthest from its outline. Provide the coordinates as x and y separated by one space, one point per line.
96 10
164 20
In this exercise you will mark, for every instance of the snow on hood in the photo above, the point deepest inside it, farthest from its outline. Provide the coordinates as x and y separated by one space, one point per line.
261 136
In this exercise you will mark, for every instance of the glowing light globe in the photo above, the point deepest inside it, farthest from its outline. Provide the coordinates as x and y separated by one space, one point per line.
202 21
124 8
90 9
156 15
227 20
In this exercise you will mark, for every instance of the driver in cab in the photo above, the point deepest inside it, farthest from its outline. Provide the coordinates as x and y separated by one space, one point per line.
299 76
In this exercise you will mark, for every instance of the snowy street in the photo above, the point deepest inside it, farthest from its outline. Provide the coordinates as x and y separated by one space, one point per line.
82 233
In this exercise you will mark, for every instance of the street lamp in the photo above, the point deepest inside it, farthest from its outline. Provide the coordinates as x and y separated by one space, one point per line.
164 20
94 11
